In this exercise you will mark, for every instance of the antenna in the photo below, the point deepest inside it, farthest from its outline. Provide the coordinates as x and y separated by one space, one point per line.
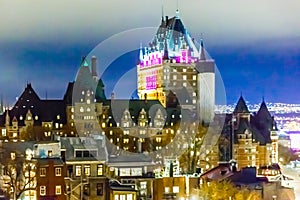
177 6
162 9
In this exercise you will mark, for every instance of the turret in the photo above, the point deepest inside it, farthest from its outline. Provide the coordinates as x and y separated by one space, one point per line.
141 53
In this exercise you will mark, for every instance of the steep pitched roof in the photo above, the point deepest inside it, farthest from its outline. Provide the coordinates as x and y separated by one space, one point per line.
41 110
172 32
241 106
263 112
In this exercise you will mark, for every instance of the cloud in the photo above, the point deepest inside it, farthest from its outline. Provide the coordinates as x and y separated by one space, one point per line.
220 21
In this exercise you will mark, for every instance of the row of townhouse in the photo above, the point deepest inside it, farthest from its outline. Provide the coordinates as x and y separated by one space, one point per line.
80 168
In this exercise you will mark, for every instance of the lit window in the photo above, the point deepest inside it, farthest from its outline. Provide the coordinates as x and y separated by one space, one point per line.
42 171
72 109
126 141
184 77
184 84
100 170
87 170
43 190
58 117
143 185
167 189
13 155
88 110
129 197
3 132
184 70
194 77
175 189
21 117
56 125
15 134
81 109
174 77
49 153
158 139
58 189
78 170
57 171
88 101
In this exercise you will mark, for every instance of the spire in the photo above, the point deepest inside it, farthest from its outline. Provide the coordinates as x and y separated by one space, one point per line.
162 12
177 14
1 105
7 118
202 51
84 62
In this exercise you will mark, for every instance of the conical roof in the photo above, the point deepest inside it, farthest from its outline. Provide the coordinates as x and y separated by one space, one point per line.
241 106
263 112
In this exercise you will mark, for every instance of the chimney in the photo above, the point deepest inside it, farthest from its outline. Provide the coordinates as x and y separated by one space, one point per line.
112 96
139 146
94 66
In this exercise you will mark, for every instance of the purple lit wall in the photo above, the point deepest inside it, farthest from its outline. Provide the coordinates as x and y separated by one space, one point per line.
156 58
151 82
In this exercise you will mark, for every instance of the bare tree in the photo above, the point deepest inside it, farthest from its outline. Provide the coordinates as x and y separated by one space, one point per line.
189 160
19 175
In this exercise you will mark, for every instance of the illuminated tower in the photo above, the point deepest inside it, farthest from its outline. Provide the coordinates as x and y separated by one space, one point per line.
172 64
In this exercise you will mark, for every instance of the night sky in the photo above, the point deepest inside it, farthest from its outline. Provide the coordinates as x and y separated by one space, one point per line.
255 43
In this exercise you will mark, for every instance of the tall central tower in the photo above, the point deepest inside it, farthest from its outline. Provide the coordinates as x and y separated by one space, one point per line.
175 65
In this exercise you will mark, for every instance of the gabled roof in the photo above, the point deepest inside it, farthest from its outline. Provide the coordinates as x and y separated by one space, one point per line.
41 110
241 106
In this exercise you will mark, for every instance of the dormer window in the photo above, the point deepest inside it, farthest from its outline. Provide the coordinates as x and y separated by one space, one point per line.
81 109
58 117
13 155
